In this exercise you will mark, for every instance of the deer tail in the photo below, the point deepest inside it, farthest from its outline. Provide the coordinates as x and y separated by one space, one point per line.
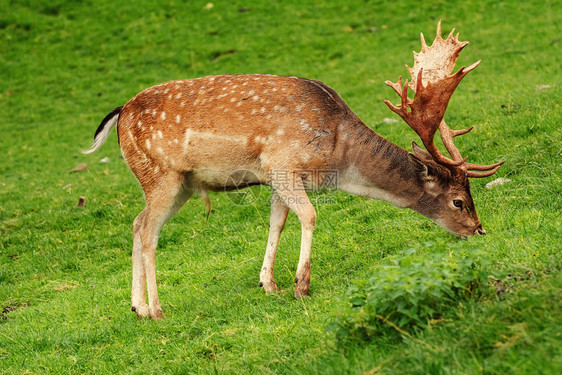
103 130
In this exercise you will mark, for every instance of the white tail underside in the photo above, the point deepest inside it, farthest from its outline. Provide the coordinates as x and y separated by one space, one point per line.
102 136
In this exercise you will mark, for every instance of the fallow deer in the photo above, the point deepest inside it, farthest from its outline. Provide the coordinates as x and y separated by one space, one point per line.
191 136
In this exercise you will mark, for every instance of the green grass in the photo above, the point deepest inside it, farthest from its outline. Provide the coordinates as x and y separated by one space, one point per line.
65 271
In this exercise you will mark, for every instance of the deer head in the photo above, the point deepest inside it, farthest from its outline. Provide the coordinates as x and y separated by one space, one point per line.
433 84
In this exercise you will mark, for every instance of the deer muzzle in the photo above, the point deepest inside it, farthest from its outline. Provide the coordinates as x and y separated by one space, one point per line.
479 230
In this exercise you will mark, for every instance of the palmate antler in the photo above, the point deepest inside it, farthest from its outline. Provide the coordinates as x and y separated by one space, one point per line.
433 85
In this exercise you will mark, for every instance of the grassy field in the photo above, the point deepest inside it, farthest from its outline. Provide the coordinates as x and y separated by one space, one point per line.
65 271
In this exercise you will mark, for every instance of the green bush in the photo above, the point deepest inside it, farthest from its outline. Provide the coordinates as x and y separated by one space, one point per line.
412 292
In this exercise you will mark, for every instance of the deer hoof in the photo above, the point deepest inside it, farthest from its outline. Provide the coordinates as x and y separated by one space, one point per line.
301 292
141 311
269 287
156 314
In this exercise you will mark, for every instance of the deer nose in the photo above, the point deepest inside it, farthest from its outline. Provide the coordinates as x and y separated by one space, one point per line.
480 231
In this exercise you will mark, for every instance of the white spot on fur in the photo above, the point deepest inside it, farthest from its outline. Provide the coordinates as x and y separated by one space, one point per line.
304 124
139 123
147 144
300 107
178 95
160 150
178 118
153 112
160 135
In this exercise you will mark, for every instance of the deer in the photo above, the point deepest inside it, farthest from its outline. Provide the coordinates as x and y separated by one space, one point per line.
225 132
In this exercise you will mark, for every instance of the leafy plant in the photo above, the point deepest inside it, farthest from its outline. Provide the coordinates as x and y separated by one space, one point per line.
413 291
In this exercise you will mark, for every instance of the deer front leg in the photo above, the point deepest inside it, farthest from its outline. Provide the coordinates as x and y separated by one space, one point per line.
307 217
298 202
277 221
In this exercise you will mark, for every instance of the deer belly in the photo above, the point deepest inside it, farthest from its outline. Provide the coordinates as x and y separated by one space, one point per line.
218 179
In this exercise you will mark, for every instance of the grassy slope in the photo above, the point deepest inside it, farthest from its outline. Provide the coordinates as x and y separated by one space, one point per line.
66 270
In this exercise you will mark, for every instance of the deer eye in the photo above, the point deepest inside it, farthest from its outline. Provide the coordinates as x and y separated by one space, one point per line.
457 203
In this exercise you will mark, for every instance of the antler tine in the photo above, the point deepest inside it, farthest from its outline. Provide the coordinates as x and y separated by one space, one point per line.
396 86
495 168
447 135
404 100
461 131
451 34
438 32
423 43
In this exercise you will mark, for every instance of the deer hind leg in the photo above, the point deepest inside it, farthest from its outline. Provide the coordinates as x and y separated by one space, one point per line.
161 204
296 199
279 213
138 294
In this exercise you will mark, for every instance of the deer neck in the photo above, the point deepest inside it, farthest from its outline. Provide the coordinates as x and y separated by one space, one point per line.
377 168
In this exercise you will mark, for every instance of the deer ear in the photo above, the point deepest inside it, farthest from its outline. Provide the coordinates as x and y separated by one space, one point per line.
421 153
419 167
